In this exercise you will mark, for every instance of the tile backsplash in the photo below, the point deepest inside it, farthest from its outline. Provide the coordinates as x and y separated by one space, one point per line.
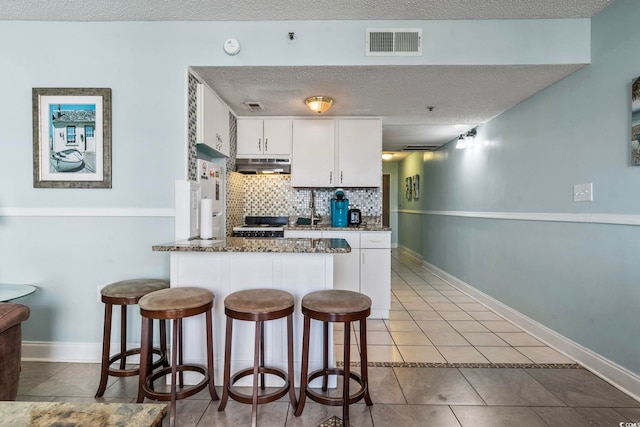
273 195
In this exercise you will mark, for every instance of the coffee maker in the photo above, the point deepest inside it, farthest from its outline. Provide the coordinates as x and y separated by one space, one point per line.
339 209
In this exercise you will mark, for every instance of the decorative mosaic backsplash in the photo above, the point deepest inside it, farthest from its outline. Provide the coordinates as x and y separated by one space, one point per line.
235 200
192 125
272 195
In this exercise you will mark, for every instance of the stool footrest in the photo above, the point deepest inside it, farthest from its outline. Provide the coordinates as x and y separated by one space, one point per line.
338 400
264 398
181 391
133 371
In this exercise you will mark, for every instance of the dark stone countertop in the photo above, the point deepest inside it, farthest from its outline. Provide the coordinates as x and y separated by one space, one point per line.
258 244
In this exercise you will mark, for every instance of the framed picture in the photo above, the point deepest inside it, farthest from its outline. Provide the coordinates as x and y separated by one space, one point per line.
408 187
635 122
71 137
416 187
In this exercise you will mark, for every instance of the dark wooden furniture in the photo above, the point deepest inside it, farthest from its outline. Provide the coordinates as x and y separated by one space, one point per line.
335 306
175 304
258 305
11 318
125 293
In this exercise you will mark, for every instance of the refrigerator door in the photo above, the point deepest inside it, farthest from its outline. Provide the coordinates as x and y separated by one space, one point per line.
210 179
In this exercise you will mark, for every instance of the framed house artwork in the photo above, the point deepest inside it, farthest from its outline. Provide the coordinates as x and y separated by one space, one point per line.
416 187
71 137
635 122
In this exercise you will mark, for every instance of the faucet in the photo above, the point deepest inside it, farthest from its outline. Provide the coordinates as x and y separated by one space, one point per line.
312 206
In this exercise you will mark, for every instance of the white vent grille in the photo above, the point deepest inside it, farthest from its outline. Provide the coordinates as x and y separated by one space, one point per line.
254 106
394 42
420 147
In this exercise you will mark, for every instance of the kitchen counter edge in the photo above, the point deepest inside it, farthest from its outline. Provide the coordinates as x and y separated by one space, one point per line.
271 245
329 227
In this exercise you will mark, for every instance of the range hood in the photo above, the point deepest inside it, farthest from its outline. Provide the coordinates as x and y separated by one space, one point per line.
263 166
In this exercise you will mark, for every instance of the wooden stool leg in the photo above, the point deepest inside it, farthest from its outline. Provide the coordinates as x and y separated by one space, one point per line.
262 354
123 336
180 360
325 354
306 331
106 347
144 358
212 385
347 369
174 364
163 343
364 363
292 382
227 365
256 370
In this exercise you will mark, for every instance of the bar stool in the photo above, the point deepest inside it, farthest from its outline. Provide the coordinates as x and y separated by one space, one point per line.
175 304
335 306
123 294
258 305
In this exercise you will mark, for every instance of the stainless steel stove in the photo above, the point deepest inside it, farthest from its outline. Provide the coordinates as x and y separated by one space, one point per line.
262 226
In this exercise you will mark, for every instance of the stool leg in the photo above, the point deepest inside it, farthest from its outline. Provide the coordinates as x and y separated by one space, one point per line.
106 347
227 365
212 385
256 369
347 369
306 331
180 361
144 358
262 354
123 336
292 382
364 370
174 357
163 343
325 354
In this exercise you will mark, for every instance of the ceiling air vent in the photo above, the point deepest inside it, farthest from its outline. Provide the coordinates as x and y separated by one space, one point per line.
419 147
394 42
254 106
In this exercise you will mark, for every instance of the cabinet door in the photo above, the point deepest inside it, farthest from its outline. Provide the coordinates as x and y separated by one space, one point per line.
359 153
312 160
250 142
346 267
277 138
375 280
213 121
223 144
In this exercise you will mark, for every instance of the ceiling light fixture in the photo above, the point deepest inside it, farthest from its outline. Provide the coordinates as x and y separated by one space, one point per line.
387 156
461 144
319 104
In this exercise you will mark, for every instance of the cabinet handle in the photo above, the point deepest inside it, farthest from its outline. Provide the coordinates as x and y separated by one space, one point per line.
340 177
330 177
266 145
259 144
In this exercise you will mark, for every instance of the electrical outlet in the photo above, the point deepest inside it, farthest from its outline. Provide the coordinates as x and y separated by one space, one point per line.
583 192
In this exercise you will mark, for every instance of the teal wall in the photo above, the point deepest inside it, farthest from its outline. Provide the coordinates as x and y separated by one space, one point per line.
579 279
105 235
391 169
410 221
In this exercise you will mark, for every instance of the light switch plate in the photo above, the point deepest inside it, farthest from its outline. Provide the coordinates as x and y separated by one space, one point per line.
583 192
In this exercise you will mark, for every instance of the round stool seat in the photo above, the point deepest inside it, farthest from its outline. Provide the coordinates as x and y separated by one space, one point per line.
259 304
336 305
176 303
127 292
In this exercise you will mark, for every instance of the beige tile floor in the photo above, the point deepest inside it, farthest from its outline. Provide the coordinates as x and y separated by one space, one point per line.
433 322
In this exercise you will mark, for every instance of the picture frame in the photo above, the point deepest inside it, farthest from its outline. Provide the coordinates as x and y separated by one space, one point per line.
71 137
416 187
635 122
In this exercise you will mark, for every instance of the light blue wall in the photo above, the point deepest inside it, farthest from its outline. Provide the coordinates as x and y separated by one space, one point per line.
391 169
410 221
68 255
578 279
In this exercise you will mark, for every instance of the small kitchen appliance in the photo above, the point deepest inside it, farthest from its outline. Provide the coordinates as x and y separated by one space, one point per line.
262 226
355 217
339 209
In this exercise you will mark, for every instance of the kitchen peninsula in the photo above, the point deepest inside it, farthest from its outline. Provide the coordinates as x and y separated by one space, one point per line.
296 265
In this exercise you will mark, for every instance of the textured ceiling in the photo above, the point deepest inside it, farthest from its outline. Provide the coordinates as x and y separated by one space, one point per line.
463 96
279 10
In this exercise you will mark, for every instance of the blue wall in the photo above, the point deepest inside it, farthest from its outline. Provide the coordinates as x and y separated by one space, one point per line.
69 242
577 278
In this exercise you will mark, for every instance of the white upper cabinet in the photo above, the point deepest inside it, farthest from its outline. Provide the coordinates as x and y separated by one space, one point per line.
268 138
213 121
312 160
359 153
337 153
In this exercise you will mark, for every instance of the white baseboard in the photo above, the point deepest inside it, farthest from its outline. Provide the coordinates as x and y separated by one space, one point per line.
618 376
39 351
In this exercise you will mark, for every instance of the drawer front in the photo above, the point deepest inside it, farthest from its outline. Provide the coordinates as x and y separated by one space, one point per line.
302 234
378 239
352 237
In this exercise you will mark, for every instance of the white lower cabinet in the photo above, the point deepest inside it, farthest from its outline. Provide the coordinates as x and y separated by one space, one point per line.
366 269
